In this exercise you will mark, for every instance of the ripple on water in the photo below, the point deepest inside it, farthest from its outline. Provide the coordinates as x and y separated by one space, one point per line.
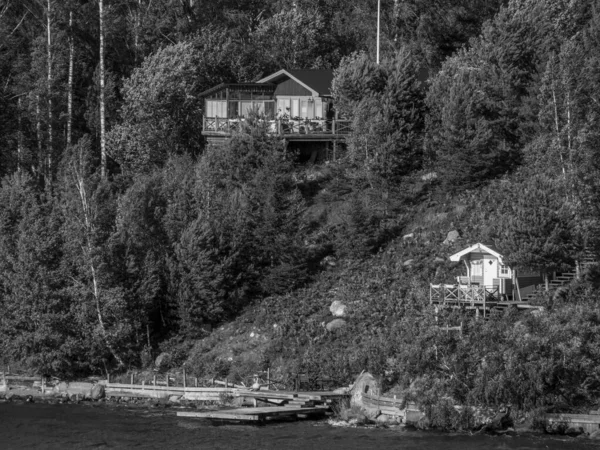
40 426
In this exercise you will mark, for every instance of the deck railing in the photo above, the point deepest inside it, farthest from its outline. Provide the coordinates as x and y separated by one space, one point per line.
282 126
463 293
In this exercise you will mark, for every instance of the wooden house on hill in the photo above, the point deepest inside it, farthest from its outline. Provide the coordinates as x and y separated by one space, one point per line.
297 104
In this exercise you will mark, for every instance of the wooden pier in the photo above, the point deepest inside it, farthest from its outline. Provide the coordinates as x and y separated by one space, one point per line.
258 414
288 404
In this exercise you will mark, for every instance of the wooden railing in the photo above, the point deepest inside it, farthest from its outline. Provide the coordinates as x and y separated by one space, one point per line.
282 126
463 293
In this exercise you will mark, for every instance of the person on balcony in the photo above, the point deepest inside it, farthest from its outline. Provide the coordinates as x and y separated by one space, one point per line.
330 115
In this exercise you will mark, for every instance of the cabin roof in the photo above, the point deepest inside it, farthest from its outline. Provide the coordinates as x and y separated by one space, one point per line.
253 87
479 247
316 80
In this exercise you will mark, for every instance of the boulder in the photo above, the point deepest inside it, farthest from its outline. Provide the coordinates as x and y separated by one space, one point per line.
383 419
574 431
408 262
451 237
97 392
163 361
335 324
365 383
595 435
174 399
338 309
439 260
409 236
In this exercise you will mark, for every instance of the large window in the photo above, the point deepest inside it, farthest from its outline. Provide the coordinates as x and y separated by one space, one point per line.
216 108
303 107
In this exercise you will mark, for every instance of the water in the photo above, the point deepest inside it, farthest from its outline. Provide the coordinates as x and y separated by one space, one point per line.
97 426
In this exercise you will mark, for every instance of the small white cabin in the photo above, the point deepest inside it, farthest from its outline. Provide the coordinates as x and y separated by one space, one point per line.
485 267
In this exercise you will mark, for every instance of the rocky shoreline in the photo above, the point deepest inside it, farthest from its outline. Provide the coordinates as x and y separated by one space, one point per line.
503 423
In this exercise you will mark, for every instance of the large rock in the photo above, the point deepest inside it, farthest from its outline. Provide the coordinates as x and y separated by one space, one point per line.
365 383
338 309
451 237
335 324
383 419
163 361
408 262
97 392
81 388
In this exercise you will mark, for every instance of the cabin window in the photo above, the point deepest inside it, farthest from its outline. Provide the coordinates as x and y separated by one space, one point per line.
477 268
283 107
243 108
504 271
215 108
295 107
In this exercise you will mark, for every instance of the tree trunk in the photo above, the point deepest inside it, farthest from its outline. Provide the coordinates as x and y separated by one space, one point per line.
38 134
87 251
49 88
102 88
70 83
19 137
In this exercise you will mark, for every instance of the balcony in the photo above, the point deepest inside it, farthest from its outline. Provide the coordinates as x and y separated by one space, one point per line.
308 129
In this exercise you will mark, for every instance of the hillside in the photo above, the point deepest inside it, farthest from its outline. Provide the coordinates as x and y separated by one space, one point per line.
129 228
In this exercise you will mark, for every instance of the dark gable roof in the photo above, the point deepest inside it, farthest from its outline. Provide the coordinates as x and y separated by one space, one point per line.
253 87
318 79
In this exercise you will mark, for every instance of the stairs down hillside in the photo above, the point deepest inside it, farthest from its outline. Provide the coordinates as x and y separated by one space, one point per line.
562 279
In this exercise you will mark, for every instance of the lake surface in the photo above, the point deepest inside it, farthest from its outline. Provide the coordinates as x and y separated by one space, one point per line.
98 426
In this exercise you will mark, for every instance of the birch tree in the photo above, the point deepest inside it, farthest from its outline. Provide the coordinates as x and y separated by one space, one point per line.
102 92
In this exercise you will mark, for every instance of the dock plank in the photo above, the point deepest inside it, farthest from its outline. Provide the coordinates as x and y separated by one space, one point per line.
253 414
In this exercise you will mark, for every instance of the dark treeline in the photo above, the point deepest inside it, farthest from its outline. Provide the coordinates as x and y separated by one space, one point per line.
122 235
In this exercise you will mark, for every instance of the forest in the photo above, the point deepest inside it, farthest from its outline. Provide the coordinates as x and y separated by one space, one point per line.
124 236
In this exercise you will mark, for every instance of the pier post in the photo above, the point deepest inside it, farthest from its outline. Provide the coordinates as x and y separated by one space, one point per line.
184 378
195 381
132 379
268 378
154 380
167 378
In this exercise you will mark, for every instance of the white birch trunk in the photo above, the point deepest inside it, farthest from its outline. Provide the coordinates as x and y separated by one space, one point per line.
38 134
102 89
49 88
86 248
19 137
70 83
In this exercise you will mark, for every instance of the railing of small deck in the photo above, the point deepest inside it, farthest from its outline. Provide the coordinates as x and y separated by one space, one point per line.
282 126
460 294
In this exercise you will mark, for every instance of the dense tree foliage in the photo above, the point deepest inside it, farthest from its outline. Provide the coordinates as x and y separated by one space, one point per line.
481 116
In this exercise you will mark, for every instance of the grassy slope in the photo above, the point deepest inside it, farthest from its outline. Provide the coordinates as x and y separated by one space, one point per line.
287 333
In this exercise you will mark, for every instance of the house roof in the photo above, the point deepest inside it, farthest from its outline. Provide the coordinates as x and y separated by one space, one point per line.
316 80
477 248
255 87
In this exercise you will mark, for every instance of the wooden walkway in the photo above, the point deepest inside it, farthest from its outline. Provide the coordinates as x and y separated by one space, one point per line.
258 414
289 404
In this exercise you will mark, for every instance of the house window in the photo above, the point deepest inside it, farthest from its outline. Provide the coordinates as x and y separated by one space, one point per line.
504 271
215 108
477 268
295 107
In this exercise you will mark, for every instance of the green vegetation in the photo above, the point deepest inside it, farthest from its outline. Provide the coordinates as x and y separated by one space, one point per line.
228 258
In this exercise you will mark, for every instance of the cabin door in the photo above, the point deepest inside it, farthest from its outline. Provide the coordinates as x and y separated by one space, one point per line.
490 271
